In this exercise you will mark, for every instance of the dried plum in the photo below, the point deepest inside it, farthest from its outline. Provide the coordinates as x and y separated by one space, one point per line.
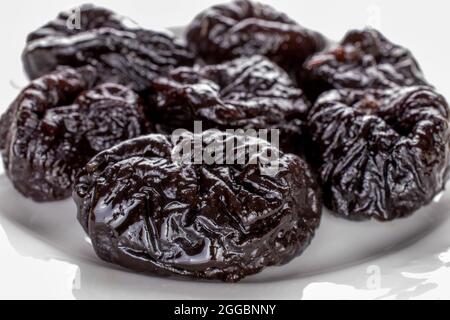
246 28
383 153
363 59
122 53
58 123
245 93
145 211
90 18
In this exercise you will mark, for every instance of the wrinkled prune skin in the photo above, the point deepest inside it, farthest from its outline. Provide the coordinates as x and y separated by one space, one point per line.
147 212
58 123
245 93
122 53
91 17
246 28
363 59
382 153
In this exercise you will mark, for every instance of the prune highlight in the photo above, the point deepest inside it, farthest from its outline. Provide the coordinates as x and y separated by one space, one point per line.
58 123
147 212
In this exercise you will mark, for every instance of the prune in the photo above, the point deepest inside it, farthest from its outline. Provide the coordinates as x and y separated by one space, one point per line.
122 53
58 123
245 93
363 59
246 28
383 153
146 211
90 17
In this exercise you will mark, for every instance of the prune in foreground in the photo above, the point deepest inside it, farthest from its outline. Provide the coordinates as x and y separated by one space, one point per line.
245 93
383 153
146 210
58 123
247 28
363 59
121 52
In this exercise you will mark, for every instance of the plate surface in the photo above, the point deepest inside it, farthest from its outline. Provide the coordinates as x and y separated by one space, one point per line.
404 258
45 254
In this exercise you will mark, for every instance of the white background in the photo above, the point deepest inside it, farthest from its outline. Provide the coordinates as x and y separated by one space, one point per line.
421 26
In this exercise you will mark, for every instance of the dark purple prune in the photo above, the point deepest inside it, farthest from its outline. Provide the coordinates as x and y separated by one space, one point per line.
148 212
383 153
58 123
245 93
246 28
363 59
122 53
90 17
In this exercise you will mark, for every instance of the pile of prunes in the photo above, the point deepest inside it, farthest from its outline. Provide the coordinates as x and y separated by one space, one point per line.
360 130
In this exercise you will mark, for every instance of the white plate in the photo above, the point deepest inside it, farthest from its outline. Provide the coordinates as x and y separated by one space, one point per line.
403 259
45 254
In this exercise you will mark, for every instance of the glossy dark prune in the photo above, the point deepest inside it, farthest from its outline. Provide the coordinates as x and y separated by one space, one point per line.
246 28
58 123
245 93
121 52
90 17
382 153
363 59
147 212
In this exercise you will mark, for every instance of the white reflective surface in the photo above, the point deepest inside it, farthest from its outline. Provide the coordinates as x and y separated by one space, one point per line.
47 255
44 253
